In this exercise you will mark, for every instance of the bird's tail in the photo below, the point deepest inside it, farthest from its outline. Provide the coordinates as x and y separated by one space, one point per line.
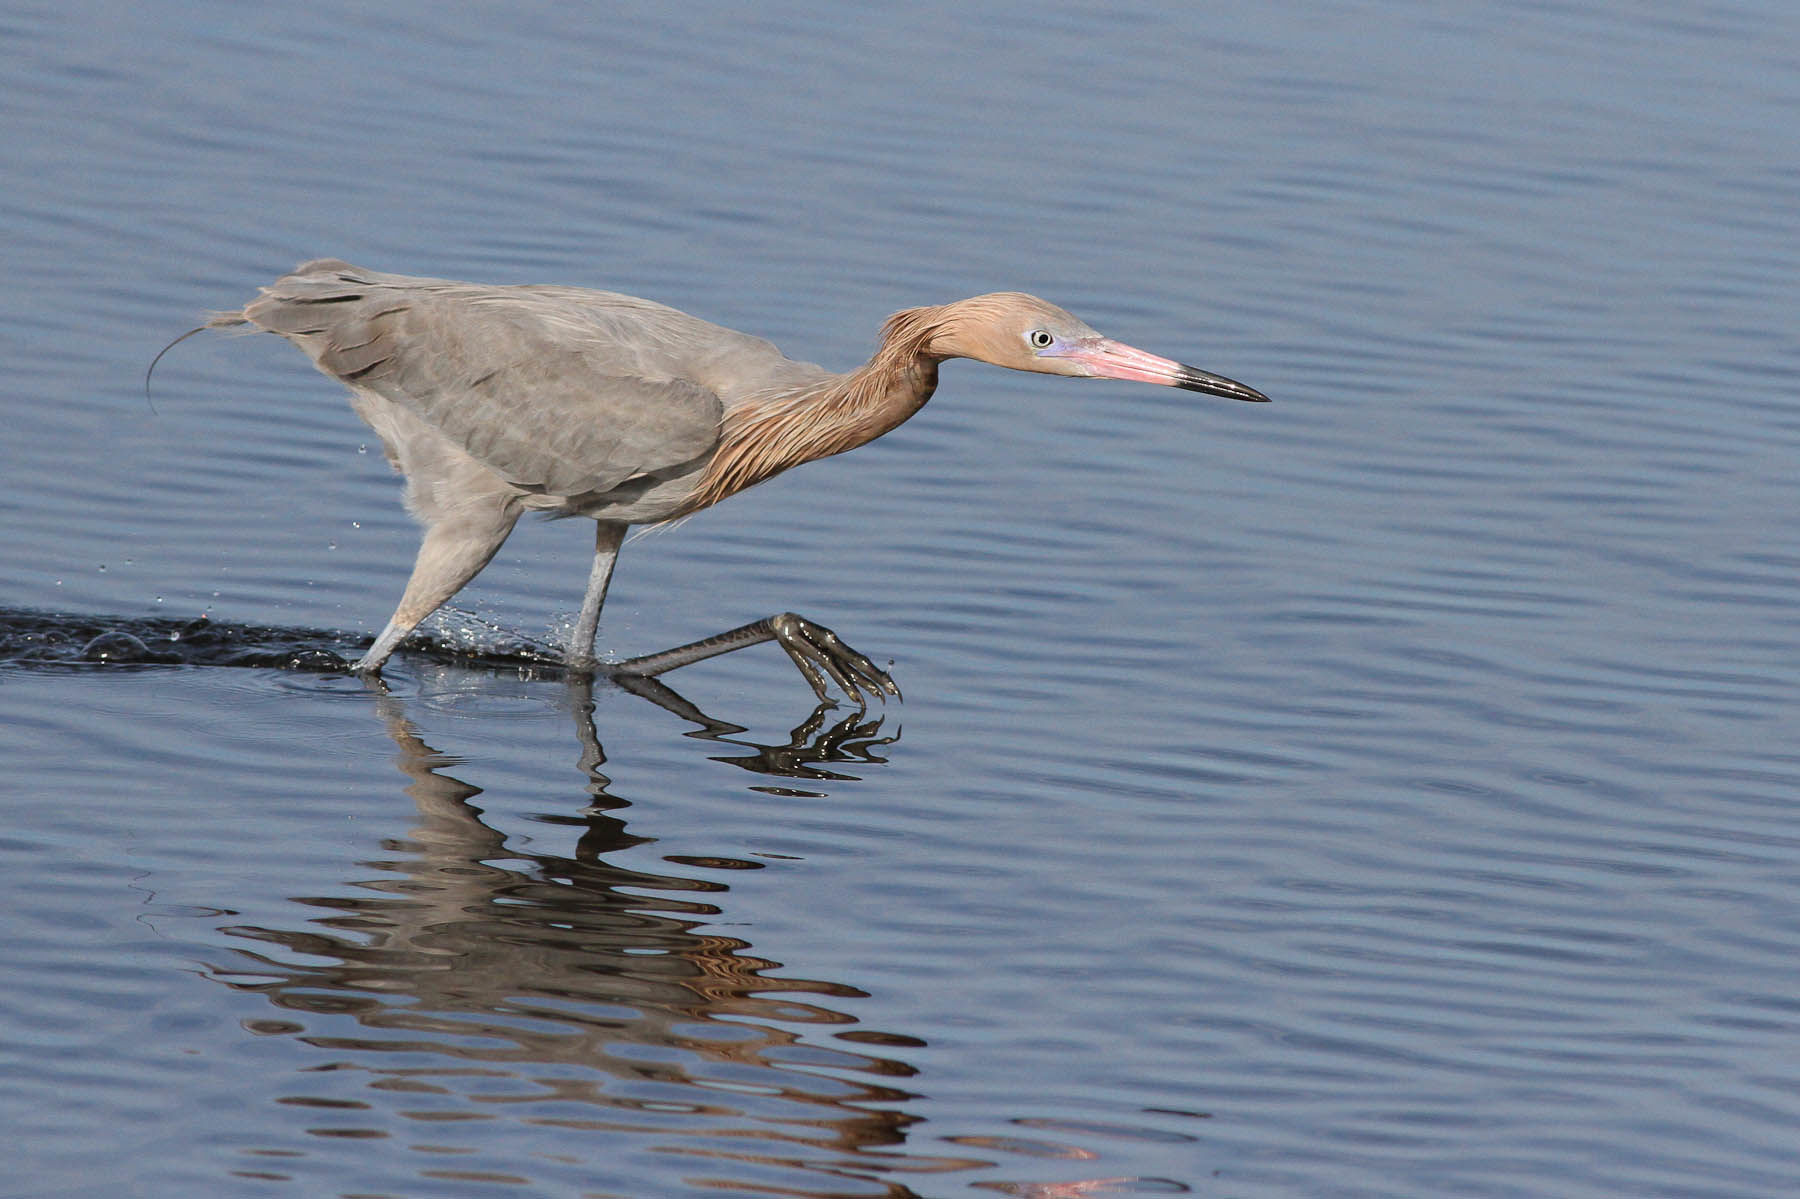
321 280
222 320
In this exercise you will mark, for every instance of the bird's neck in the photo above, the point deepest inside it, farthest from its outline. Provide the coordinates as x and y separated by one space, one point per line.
761 437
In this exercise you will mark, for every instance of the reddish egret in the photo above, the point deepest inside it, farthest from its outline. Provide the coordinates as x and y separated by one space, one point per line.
496 400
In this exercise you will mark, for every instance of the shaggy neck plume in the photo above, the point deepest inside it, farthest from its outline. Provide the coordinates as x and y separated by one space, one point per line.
760 439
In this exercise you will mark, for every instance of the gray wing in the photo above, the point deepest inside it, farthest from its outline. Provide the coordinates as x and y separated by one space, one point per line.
558 390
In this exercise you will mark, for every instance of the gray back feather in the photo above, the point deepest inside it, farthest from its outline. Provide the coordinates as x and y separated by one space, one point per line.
559 390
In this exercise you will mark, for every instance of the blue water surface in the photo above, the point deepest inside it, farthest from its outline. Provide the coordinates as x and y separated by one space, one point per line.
1389 791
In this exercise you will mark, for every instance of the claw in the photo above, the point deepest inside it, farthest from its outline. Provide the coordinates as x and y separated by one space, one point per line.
819 652
872 676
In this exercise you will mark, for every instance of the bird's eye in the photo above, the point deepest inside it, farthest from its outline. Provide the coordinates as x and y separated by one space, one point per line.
1040 339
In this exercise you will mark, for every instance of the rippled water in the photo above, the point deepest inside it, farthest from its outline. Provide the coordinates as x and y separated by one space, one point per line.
1388 791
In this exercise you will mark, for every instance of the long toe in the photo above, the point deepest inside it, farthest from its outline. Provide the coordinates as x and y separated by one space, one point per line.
821 654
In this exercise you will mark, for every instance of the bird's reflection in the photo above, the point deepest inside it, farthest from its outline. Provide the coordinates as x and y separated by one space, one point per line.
475 979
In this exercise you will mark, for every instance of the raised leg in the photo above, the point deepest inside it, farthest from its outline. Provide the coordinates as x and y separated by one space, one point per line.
815 649
608 536
451 554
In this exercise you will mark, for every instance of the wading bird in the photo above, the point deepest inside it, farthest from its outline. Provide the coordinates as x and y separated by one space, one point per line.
494 401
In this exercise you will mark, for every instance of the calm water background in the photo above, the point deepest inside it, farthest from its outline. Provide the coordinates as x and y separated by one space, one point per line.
1390 791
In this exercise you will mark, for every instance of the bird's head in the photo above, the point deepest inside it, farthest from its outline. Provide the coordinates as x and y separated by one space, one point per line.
1012 329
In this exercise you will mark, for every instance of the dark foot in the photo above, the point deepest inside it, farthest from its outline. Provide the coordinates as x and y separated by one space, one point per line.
820 654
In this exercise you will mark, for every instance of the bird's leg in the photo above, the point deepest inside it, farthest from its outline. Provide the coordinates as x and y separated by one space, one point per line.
608 536
452 553
815 649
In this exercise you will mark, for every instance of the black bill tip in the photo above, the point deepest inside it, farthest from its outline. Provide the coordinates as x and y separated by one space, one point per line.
1192 378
